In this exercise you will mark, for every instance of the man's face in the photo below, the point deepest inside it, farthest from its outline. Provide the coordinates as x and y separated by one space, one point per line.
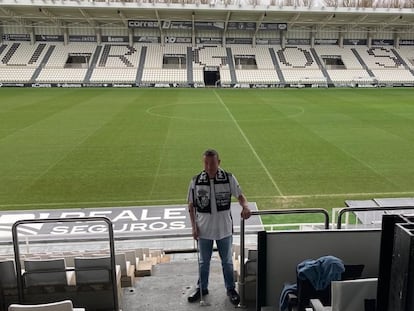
211 165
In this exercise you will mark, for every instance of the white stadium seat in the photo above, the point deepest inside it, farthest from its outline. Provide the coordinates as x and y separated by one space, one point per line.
65 305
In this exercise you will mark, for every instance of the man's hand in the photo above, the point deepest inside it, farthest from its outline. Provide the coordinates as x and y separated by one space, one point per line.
245 213
192 211
195 233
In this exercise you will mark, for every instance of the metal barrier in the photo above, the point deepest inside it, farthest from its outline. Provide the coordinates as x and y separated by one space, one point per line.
269 212
368 209
60 220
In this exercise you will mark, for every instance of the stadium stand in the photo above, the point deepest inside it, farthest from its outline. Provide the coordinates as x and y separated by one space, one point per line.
263 71
407 54
11 74
157 69
294 57
108 46
181 64
342 66
385 64
176 43
23 54
212 56
117 64
113 75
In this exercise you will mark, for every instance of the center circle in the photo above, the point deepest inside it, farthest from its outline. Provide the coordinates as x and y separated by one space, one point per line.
204 112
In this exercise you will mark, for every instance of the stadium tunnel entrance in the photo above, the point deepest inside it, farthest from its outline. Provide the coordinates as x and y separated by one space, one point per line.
211 76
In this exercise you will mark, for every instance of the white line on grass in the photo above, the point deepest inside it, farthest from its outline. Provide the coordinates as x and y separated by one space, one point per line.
170 201
249 144
157 172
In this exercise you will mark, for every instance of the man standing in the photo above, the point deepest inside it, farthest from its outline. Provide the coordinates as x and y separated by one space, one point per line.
209 200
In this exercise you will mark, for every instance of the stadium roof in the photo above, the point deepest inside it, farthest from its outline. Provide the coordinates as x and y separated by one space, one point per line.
338 15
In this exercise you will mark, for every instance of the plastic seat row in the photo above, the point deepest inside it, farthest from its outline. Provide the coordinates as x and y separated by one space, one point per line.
88 283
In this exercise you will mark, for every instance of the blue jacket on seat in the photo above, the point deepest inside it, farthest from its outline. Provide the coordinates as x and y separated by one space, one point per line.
321 272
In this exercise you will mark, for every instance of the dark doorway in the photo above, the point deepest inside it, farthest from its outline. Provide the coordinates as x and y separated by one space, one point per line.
211 77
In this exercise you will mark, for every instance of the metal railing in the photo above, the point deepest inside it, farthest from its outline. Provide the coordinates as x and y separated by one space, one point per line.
269 212
61 220
368 209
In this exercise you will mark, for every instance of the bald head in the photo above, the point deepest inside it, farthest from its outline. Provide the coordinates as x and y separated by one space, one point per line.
211 161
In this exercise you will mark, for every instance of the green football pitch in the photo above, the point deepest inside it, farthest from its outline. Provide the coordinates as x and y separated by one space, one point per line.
289 148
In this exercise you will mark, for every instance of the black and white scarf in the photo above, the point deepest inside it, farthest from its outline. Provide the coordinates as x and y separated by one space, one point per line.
222 191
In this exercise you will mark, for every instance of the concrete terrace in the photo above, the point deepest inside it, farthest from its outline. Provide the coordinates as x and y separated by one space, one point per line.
170 283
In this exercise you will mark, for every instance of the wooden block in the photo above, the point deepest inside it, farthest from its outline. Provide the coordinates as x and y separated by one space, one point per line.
144 268
236 268
236 250
142 253
165 259
153 260
127 281
155 253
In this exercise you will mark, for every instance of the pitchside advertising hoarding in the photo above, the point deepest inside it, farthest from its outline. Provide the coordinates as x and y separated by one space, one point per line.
355 41
127 221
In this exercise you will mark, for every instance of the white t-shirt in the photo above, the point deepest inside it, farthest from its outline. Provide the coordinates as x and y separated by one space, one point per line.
215 225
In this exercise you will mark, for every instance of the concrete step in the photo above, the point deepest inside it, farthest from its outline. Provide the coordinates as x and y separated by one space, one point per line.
170 283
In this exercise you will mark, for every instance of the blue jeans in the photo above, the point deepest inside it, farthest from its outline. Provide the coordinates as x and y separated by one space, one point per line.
224 247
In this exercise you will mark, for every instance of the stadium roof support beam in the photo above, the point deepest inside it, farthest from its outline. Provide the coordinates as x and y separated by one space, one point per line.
327 20
259 22
193 29
358 21
88 18
226 22
9 13
382 26
123 18
410 29
160 27
294 19
392 19
51 17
